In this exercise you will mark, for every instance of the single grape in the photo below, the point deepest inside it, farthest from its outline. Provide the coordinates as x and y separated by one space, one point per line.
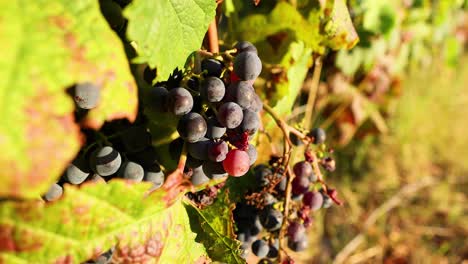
314 200
96 178
256 104
213 89
55 191
271 218
212 67
87 95
132 171
179 101
300 185
252 152
77 171
247 66
241 93
295 139
199 149
193 162
327 201
158 99
230 115
273 251
217 151
192 127
250 122
237 162
242 46
261 172
214 130
214 170
198 176
260 248
155 176
299 245
296 231
255 226
319 135
135 138
268 199
105 161
303 169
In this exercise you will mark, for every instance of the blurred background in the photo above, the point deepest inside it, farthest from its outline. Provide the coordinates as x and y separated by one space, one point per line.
394 108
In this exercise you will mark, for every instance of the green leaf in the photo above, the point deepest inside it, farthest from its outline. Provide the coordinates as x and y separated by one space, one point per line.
338 28
89 220
51 45
214 226
283 18
167 31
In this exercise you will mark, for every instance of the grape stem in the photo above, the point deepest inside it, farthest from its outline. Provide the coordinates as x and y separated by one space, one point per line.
213 37
313 92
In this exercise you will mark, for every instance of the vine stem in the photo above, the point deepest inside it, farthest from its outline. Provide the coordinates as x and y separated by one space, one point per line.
213 41
313 92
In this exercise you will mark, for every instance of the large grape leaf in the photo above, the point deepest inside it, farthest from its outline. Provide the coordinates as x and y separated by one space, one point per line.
89 220
48 46
167 31
214 226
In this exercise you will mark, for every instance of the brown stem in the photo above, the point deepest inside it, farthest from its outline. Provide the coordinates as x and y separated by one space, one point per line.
213 37
313 92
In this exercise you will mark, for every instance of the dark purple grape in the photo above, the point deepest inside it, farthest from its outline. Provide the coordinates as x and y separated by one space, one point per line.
215 129
230 115
213 89
257 104
242 46
199 149
274 250
198 176
55 191
247 66
314 200
295 139
252 151
261 172
214 170
281 186
250 122
179 101
299 245
271 218
303 169
241 93
105 161
268 199
77 171
132 171
217 151
212 67
319 135
158 99
300 185
260 248
192 127
193 162
327 201
296 231
87 95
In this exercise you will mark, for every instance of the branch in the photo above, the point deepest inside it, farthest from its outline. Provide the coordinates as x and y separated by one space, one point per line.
313 92
213 37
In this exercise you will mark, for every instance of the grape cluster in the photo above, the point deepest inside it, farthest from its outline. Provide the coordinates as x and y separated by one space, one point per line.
119 150
218 113
260 216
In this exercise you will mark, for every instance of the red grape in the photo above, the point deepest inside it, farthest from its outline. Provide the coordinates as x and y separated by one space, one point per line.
237 162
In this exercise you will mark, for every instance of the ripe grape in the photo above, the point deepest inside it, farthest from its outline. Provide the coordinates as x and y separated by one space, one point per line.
155 176
105 161
242 46
274 249
158 98
77 171
217 151
55 191
260 248
303 169
299 245
179 101
193 162
198 176
132 171
237 162
247 65
271 218
319 135
300 185
199 149
256 104
261 173
241 93
214 130
252 152
327 201
296 231
192 127
213 89
314 200
212 67
214 170
250 122
230 115
87 95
